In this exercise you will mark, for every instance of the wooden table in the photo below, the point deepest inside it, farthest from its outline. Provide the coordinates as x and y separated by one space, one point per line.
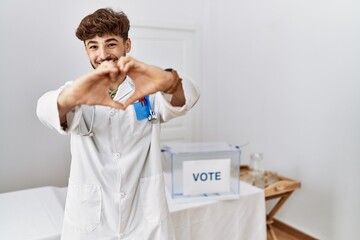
275 187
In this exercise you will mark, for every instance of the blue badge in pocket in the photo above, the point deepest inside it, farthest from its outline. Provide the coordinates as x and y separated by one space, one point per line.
142 109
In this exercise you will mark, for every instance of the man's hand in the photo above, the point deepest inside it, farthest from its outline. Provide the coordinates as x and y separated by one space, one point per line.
148 79
91 89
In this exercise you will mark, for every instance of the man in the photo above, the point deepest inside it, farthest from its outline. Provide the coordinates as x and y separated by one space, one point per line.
116 186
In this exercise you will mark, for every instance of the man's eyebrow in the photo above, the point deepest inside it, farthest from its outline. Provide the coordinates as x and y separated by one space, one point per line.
111 39
91 41
106 41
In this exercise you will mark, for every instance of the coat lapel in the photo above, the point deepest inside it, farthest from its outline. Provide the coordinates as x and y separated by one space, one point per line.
125 90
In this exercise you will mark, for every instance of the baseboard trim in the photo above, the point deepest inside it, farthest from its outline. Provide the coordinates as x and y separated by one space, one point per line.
292 231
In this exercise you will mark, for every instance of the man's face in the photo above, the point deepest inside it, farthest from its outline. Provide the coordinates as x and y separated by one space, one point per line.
106 48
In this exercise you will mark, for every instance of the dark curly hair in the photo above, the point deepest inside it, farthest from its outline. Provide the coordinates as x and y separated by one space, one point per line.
103 21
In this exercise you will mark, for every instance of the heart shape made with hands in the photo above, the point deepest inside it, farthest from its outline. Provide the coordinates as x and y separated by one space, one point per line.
93 88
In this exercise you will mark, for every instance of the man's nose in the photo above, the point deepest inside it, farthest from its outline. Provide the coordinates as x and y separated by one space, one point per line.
103 54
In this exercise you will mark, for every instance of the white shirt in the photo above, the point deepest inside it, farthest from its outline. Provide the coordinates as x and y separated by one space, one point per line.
116 187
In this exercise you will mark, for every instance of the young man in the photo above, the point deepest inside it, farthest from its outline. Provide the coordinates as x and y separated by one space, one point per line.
116 186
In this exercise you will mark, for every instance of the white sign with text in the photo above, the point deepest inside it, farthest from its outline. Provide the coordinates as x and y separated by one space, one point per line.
206 176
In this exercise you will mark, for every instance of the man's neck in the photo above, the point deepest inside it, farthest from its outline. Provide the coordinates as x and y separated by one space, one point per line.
116 84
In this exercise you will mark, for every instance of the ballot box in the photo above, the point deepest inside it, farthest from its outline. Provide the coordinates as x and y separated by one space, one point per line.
202 171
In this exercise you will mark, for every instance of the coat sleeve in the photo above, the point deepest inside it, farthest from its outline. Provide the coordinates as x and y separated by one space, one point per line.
168 112
48 113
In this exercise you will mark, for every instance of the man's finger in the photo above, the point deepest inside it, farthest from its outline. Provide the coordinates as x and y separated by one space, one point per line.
131 100
125 64
111 71
116 104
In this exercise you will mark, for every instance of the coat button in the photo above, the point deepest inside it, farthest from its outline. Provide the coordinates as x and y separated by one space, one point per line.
112 112
122 195
117 155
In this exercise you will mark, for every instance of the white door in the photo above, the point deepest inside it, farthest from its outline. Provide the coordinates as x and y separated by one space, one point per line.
170 48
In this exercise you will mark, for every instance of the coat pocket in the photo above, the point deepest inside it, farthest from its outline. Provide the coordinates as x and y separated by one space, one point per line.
83 206
153 199
138 128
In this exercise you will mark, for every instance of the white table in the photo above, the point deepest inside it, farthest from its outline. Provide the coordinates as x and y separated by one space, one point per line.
37 214
241 219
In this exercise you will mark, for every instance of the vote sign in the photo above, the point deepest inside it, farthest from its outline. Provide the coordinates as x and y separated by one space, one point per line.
206 176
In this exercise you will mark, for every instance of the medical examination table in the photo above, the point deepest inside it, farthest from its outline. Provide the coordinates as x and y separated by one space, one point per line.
37 214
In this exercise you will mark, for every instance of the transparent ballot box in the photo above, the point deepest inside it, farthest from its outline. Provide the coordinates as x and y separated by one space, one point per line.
202 171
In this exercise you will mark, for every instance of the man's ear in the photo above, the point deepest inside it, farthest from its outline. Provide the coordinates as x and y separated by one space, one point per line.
127 45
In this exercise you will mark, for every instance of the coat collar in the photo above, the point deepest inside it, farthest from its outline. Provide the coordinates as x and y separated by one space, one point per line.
125 89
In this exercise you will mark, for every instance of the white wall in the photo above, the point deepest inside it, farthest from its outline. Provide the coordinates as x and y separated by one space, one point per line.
288 82
282 75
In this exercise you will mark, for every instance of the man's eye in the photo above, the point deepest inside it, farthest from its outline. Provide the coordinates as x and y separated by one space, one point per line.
93 47
112 45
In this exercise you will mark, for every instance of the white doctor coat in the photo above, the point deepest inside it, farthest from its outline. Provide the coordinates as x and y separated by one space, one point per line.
116 187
